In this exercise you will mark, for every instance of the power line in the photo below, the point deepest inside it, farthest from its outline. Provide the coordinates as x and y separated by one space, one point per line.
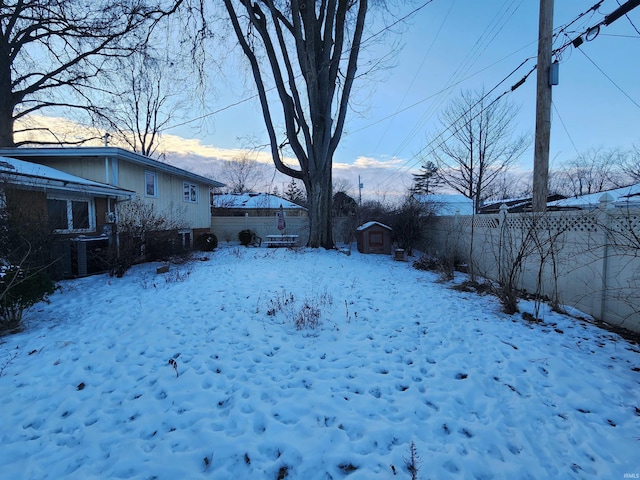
480 46
555 109
410 163
631 22
415 76
610 79
386 28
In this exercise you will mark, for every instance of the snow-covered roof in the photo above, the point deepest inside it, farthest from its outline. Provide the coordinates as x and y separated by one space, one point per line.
619 197
253 201
34 175
446 204
371 224
112 152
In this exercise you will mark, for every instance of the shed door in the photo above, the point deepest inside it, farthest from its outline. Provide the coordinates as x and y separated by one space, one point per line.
376 241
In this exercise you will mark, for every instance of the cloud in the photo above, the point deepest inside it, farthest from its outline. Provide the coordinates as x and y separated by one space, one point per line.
381 176
173 144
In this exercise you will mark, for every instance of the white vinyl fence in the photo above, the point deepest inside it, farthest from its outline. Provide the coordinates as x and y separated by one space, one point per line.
589 260
227 228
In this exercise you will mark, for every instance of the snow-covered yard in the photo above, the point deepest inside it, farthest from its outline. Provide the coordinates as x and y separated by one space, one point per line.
201 373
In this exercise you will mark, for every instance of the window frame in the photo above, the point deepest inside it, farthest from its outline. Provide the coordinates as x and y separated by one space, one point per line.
188 191
91 213
154 176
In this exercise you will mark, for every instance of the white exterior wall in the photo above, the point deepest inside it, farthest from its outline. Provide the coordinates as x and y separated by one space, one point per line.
587 260
169 198
130 176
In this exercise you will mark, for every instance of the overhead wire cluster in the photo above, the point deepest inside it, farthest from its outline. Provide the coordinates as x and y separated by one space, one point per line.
460 75
452 129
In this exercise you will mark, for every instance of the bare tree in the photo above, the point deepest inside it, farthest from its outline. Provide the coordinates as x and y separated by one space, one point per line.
311 51
509 185
481 144
53 51
242 174
593 171
341 184
631 164
141 104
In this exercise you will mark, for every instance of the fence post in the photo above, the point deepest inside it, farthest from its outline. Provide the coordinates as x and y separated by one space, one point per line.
502 241
603 219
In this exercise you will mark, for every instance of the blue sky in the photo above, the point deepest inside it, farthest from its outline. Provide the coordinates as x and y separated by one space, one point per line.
450 45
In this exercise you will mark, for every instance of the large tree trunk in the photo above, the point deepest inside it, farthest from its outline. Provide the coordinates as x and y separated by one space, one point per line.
6 123
319 198
321 40
6 104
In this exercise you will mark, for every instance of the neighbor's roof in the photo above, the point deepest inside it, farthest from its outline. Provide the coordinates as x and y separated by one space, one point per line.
448 204
253 201
35 176
371 224
105 152
619 197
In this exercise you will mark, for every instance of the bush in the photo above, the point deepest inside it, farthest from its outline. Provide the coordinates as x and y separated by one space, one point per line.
245 237
445 265
21 288
145 234
207 242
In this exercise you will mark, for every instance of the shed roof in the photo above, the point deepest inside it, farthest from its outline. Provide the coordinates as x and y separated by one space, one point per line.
371 224
33 175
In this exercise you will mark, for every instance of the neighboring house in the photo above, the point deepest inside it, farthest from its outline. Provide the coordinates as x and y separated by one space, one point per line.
444 205
514 205
254 205
168 188
75 210
618 197
623 197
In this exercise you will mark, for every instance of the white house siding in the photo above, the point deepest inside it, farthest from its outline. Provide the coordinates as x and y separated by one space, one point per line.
169 194
131 176
89 168
126 170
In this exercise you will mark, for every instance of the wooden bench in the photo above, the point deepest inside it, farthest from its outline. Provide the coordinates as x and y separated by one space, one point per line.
281 240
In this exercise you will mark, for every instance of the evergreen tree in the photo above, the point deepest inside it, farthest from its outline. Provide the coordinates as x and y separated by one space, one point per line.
294 193
427 181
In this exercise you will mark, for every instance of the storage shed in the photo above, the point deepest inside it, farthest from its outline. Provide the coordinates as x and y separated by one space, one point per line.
374 237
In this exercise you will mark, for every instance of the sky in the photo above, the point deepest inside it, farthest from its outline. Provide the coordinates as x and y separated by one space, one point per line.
450 46
201 373
446 47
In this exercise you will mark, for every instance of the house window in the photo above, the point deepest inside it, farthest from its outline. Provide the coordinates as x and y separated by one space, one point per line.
190 192
150 184
71 215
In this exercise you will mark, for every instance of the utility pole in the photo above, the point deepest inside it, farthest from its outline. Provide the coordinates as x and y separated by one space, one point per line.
543 108
360 185
545 80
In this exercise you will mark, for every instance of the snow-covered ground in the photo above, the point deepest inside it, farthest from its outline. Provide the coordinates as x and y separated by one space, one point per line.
89 391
